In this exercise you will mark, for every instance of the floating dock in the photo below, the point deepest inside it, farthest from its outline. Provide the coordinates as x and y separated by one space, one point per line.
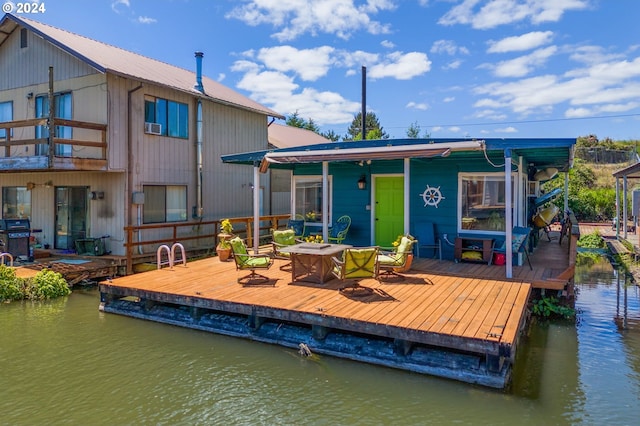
457 327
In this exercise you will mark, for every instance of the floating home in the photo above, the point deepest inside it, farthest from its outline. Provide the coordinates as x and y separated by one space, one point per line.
450 315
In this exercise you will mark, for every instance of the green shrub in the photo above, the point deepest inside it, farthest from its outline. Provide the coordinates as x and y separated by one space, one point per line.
594 241
549 307
11 287
47 285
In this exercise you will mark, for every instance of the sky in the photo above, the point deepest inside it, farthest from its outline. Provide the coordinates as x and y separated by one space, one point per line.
453 68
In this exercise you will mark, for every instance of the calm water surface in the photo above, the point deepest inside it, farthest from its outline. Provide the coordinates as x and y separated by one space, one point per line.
65 363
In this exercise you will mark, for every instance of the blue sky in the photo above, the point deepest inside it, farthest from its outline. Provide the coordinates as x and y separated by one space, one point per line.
456 68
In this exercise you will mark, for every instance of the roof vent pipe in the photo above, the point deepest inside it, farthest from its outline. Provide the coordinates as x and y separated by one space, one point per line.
198 86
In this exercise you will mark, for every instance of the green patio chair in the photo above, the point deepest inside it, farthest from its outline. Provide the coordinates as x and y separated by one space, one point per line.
283 238
297 224
338 232
356 263
390 260
246 261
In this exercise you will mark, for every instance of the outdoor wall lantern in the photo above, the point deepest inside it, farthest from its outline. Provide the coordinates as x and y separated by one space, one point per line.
362 182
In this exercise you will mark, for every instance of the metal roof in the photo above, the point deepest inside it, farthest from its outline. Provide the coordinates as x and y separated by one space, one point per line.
105 58
632 171
283 136
541 153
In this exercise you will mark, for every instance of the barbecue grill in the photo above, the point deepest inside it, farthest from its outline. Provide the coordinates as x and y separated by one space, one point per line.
14 236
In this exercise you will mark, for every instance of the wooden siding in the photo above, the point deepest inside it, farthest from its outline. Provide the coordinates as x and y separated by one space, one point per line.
23 67
104 217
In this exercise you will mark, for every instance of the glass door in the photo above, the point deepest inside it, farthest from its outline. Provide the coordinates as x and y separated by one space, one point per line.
71 216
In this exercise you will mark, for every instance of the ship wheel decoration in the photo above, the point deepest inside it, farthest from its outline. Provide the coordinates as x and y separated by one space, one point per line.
432 196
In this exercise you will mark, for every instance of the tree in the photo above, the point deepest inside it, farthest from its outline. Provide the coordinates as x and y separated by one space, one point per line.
373 128
413 132
331 135
295 121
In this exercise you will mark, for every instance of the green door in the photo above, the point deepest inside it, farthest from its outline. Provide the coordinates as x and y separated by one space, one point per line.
389 213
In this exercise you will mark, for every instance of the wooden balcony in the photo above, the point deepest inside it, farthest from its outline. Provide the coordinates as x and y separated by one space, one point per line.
19 155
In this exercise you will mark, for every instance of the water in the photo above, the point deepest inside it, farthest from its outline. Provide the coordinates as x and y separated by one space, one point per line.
65 363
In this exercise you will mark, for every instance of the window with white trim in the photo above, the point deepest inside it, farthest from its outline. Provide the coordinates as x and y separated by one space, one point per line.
481 202
164 203
307 198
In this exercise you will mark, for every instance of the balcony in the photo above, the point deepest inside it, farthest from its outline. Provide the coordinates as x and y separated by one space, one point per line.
21 151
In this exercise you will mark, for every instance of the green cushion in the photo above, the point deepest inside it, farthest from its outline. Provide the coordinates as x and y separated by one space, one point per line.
237 245
360 263
285 237
258 262
405 246
390 260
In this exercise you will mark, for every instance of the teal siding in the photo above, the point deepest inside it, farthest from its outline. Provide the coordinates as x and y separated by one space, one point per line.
441 172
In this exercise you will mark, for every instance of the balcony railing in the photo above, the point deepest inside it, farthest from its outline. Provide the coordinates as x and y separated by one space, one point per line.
12 159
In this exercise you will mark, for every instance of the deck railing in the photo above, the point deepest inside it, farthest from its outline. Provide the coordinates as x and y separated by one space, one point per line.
9 127
195 231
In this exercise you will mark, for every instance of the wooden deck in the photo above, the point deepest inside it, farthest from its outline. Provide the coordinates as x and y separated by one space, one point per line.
450 325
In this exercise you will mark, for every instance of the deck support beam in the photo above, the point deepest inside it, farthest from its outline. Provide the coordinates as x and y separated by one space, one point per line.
495 363
255 321
402 347
319 332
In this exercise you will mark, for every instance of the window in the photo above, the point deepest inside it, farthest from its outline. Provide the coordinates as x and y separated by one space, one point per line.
23 38
173 117
16 202
307 199
62 103
482 202
6 114
165 203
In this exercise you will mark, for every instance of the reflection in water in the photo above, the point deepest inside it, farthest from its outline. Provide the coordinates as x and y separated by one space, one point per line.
64 362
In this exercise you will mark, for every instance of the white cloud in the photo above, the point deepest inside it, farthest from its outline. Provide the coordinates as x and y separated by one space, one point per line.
278 90
419 106
519 43
509 129
388 44
449 47
605 86
592 55
401 66
309 64
118 6
453 65
296 17
146 20
436 129
449 99
454 129
524 65
493 13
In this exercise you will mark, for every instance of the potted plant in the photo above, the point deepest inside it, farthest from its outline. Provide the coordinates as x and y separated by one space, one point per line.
224 247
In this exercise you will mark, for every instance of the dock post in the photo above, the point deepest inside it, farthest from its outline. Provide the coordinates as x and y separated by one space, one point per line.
255 321
402 347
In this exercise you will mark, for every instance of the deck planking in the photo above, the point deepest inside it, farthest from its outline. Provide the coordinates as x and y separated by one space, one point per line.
438 306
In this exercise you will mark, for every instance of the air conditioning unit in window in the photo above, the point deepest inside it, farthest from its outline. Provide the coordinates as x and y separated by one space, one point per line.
153 128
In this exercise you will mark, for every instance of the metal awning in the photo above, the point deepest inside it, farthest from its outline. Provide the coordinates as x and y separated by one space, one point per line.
389 152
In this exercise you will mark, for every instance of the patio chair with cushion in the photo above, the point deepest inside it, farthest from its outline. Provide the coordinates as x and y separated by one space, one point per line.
519 243
356 263
390 261
283 238
298 226
338 232
246 261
